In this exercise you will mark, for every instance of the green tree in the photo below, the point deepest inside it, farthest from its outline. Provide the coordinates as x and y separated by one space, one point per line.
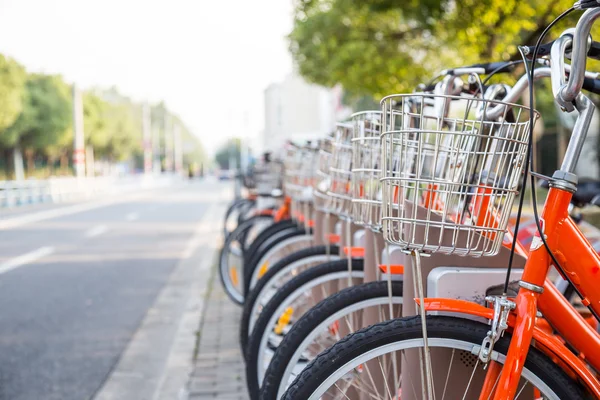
378 47
95 122
223 155
45 120
112 125
12 91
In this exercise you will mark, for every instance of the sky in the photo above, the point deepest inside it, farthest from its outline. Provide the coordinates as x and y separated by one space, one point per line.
209 60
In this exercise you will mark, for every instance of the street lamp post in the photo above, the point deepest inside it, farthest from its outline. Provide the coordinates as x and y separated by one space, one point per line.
78 140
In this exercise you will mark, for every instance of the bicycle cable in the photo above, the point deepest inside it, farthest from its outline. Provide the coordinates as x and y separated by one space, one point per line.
529 156
494 72
535 209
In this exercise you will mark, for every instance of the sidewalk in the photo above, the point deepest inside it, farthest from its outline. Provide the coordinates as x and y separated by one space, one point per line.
219 369
158 361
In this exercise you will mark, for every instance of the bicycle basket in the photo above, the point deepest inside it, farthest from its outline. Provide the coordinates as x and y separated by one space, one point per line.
267 177
322 182
341 172
299 173
366 172
449 182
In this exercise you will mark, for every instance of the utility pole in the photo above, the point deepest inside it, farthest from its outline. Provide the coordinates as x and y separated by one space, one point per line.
147 134
168 127
244 146
178 149
78 141
233 169
156 149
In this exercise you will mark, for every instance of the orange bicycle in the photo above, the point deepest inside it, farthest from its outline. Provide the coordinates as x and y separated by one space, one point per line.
533 346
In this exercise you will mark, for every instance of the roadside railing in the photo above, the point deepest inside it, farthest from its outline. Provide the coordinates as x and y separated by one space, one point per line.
65 189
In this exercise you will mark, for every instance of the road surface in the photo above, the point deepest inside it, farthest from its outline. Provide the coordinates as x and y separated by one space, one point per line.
76 282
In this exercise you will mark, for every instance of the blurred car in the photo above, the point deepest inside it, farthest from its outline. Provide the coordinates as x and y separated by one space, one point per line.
225 174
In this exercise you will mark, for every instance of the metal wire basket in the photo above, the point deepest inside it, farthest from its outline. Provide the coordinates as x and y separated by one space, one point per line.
300 172
449 182
266 177
341 172
366 171
322 181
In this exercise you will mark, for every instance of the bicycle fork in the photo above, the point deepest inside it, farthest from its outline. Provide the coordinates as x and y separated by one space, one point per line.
532 285
526 309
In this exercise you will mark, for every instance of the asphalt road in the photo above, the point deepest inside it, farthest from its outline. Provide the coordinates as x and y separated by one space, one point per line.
74 288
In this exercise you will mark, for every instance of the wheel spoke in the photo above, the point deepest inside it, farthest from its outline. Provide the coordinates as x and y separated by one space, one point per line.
448 375
471 379
409 377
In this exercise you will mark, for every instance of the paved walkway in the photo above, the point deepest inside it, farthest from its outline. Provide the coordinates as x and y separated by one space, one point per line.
219 369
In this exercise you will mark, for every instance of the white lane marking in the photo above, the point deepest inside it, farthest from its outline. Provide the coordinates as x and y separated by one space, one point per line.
26 258
96 231
14 222
132 216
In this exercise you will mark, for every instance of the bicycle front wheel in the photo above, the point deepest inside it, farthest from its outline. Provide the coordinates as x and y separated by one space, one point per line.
379 362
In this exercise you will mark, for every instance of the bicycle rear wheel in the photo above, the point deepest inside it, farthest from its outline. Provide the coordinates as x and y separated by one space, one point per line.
352 308
236 213
293 299
231 259
361 364
280 273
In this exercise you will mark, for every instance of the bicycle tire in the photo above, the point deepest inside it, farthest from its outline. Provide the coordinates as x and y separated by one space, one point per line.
265 235
234 205
239 235
252 262
285 243
312 321
270 312
403 331
254 293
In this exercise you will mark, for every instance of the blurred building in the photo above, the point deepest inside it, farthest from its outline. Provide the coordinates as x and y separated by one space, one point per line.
297 110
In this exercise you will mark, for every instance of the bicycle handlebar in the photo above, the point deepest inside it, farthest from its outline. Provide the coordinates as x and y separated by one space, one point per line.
545 49
499 67
581 37
590 84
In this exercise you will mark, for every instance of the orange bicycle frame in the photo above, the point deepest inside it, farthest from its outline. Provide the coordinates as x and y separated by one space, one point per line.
580 263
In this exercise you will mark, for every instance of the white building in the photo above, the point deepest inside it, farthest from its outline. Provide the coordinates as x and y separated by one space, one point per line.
298 111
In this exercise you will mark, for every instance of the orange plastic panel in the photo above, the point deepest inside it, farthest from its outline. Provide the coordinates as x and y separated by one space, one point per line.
354 252
333 238
266 212
394 269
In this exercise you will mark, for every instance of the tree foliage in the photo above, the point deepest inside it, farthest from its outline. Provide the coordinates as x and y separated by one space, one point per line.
12 90
378 47
46 115
36 116
225 153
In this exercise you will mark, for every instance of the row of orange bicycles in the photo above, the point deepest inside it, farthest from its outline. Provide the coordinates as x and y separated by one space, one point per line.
389 260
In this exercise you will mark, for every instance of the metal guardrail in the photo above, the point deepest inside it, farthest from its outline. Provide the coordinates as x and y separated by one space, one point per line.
64 189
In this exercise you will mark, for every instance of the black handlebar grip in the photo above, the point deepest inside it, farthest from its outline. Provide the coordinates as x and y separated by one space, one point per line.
499 67
594 51
592 85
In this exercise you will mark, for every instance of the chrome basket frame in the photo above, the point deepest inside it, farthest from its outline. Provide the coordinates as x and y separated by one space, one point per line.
322 181
341 172
449 182
366 171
